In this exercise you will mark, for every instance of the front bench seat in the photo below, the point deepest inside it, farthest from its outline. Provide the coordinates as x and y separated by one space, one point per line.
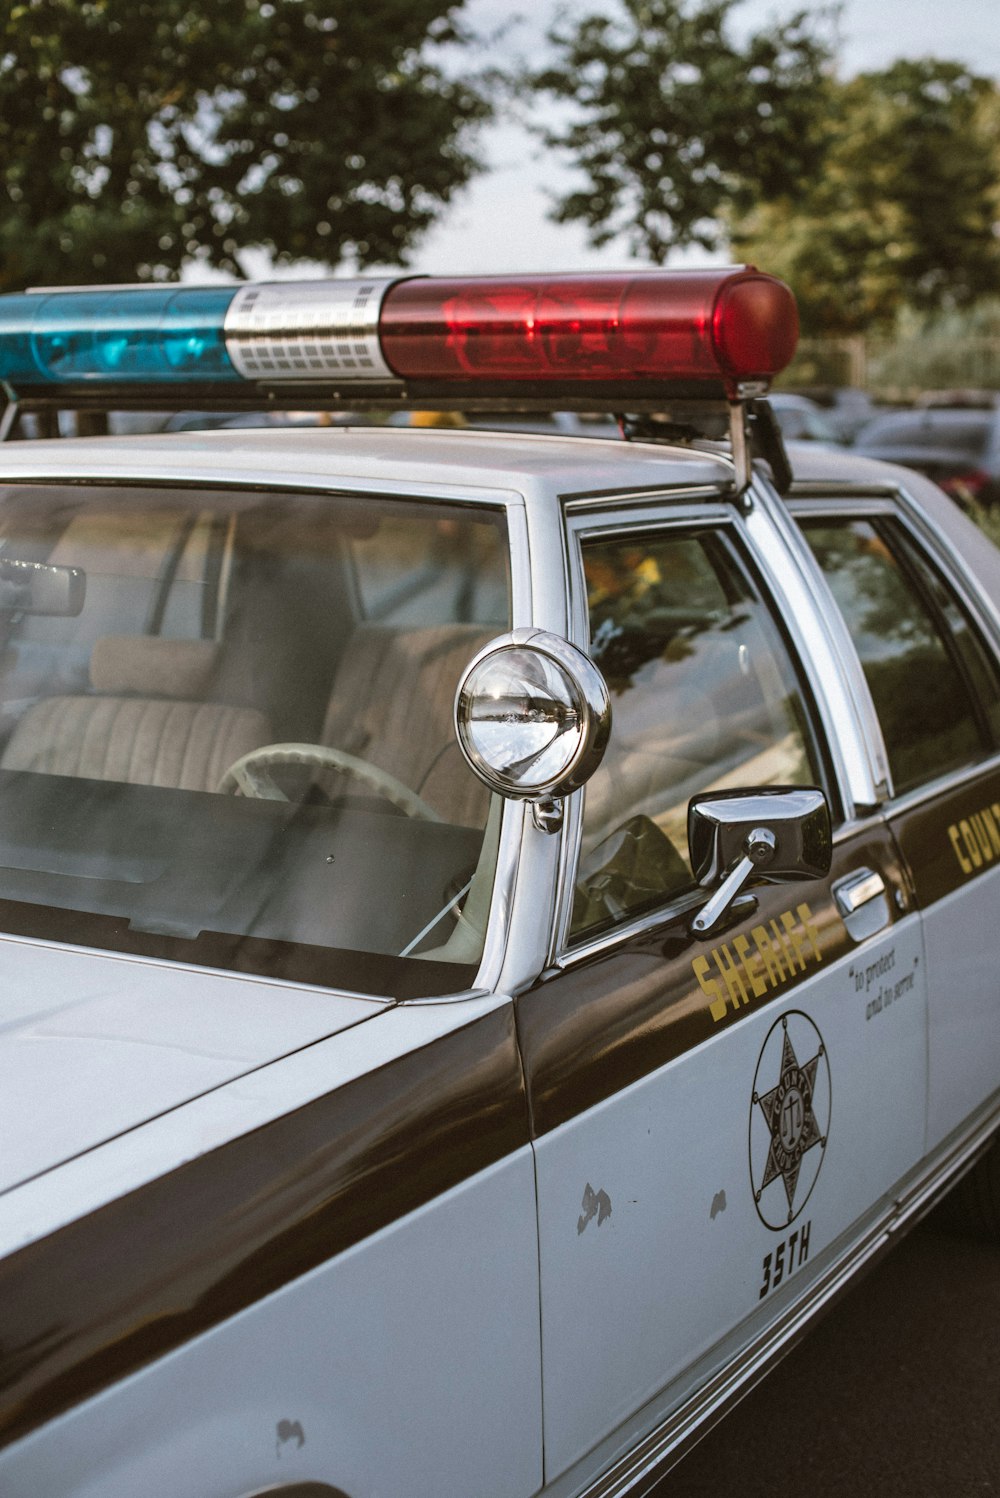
143 724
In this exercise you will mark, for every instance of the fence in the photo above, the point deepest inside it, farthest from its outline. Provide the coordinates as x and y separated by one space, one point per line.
899 368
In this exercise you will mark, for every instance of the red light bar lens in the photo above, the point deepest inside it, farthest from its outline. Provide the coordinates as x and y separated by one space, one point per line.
712 325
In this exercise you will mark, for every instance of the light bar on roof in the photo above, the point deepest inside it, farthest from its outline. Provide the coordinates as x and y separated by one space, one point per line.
711 330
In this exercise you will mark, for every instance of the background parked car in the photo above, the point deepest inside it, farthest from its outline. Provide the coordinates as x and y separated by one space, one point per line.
958 447
802 419
844 408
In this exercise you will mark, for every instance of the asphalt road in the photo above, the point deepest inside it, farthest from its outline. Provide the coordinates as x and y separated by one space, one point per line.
895 1394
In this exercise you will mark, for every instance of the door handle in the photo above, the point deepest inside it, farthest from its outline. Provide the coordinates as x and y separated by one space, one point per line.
863 903
857 890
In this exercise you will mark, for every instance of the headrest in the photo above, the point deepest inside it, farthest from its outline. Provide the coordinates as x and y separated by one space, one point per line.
151 666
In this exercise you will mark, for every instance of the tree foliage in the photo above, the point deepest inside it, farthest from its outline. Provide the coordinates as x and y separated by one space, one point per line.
140 134
674 123
905 210
866 195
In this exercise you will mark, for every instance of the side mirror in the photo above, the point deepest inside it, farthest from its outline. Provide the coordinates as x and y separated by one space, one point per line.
41 588
777 834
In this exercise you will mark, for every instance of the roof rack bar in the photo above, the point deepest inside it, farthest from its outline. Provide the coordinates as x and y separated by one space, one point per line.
739 441
290 395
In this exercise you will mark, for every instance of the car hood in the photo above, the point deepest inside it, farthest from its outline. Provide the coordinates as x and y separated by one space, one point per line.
92 1045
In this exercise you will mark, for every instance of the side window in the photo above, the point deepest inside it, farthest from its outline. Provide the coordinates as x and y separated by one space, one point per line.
703 696
934 686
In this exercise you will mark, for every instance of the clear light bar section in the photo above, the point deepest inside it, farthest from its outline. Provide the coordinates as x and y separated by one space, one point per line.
151 335
308 330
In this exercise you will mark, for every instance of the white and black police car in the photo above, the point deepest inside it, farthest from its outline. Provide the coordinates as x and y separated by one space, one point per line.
496 928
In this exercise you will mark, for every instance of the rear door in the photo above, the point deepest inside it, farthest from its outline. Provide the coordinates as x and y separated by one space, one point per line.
930 658
711 1116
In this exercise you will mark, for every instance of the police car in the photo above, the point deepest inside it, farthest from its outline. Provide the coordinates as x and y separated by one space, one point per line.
497 928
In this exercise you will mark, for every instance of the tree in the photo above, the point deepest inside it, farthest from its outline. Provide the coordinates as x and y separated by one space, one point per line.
866 195
675 125
905 210
137 135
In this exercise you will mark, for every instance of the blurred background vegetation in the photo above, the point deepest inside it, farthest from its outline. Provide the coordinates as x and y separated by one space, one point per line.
140 137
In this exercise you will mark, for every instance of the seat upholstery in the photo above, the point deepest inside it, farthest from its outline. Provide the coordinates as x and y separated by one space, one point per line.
148 739
392 703
142 741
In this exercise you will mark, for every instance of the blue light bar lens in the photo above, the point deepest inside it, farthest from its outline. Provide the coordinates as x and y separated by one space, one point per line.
165 334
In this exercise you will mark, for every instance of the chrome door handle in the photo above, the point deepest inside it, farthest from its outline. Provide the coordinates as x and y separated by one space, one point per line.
857 890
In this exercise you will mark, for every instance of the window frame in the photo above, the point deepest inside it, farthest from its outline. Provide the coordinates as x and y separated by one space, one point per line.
818 501
681 515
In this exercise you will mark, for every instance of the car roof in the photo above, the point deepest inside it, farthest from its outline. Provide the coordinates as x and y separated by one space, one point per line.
421 456
449 462
812 466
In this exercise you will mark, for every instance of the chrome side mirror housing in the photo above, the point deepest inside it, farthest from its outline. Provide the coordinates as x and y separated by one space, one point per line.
775 834
532 716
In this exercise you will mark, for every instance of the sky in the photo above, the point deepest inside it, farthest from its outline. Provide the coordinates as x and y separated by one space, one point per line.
500 222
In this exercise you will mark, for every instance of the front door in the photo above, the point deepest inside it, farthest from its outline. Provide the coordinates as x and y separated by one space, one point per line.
711 1116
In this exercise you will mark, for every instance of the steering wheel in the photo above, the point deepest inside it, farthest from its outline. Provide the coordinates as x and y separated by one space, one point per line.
249 775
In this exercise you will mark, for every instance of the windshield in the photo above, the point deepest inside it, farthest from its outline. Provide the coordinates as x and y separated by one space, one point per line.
227 733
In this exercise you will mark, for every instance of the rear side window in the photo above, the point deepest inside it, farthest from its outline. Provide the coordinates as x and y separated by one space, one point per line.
934 684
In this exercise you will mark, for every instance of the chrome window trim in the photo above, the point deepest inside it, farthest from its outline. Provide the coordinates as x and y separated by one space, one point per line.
634 518
981 606
944 785
497 945
837 489
571 957
820 500
506 954
580 503
869 821
191 476
524 900
853 731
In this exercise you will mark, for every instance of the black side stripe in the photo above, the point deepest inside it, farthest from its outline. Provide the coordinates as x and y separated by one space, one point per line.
951 838
596 1029
107 1294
